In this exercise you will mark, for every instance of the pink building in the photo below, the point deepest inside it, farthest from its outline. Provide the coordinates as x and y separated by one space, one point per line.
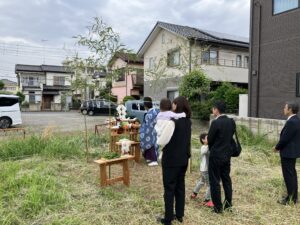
129 80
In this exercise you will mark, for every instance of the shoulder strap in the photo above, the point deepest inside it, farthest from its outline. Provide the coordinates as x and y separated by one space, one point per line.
235 131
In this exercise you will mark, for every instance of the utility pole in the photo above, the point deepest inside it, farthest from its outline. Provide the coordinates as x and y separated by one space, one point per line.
43 41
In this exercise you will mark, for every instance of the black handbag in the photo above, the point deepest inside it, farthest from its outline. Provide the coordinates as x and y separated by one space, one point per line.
236 147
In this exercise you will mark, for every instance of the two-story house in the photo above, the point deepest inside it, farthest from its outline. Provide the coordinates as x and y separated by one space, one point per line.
46 87
171 51
10 86
129 75
274 75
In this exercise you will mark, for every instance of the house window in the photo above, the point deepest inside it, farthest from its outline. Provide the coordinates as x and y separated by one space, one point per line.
31 81
210 57
31 97
174 58
280 6
298 85
151 63
59 81
239 61
120 75
246 61
172 94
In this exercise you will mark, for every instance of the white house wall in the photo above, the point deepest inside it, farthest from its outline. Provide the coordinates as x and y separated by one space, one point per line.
57 99
50 78
158 50
228 74
226 71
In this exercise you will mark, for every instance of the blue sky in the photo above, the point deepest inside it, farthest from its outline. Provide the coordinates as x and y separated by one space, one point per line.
49 25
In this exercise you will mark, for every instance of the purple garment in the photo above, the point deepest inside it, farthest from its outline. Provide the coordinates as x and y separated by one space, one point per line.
167 115
150 154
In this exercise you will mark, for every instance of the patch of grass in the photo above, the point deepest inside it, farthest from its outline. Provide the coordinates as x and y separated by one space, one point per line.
53 146
27 192
56 188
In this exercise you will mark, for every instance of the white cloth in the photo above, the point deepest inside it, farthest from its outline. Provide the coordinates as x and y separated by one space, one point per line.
164 130
167 115
125 146
204 158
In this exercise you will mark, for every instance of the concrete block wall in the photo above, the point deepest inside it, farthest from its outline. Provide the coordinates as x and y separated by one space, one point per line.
270 128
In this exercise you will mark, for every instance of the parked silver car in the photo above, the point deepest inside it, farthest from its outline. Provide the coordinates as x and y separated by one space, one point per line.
136 109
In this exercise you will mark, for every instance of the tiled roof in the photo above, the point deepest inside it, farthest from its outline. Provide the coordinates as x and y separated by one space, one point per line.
8 82
126 57
41 68
195 34
129 57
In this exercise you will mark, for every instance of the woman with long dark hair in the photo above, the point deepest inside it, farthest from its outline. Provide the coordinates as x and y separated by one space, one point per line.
175 161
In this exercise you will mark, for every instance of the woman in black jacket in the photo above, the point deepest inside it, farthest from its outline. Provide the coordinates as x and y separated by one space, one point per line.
174 163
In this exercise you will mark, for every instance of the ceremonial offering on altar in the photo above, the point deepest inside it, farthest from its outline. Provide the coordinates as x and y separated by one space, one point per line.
121 109
109 155
125 145
125 124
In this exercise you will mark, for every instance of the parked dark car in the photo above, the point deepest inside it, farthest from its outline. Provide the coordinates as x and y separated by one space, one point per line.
98 106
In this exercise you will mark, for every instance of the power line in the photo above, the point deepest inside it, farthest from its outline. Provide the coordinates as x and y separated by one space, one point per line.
42 48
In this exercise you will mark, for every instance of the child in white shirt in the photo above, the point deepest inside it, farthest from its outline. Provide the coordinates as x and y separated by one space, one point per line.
204 154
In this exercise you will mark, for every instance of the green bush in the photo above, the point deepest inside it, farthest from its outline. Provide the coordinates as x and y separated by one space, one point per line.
194 85
230 95
201 110
127 98
76 103
21 96
25 104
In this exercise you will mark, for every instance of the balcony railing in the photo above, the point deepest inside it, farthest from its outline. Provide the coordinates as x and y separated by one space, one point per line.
224 62
31 84
138 79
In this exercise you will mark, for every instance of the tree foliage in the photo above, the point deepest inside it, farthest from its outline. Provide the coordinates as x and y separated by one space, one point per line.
21 96
127 98
230 95
1 85
103 42
195 85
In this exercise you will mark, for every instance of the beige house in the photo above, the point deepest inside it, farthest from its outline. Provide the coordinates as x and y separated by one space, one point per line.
128 75
170 51
10 86
45 87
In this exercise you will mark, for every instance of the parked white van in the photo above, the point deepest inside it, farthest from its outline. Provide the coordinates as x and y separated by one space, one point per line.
10 113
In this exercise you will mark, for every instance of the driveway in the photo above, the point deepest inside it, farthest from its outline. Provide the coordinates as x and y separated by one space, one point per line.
59 121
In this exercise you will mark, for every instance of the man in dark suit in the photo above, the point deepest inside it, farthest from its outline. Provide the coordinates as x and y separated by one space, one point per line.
289 149
219 141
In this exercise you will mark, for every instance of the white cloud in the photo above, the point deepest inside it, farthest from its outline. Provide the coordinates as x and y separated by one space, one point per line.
58 20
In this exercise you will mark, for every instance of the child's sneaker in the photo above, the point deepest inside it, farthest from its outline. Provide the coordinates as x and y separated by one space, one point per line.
193 195
210 204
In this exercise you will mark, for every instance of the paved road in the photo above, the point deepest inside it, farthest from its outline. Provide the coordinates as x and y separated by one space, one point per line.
59 121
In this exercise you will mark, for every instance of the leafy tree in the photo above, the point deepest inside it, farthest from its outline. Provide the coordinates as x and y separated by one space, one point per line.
103 42
1 85
230 95
21 96
127 98
195 86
